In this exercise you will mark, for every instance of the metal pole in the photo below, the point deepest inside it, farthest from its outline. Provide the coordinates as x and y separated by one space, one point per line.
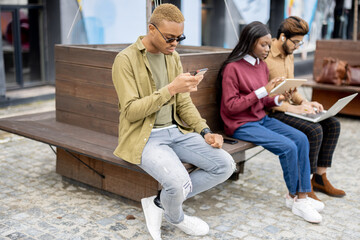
355 32
148 13
2 69
17 47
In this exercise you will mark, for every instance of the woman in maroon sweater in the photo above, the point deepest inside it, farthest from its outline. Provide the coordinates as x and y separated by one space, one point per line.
245 96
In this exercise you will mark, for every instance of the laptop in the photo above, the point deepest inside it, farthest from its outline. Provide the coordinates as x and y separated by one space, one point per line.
340 104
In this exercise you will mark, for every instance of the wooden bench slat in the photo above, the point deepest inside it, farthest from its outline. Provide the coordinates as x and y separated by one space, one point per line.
210 60
79 72
44 128
323 86
103 55
340 44
83 121
85 55
90 91
88 108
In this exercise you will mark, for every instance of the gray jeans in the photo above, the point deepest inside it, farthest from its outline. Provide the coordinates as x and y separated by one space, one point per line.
162 159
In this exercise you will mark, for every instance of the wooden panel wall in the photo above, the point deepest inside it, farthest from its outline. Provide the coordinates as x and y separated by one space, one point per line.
337 48
346 50
119 180
86 97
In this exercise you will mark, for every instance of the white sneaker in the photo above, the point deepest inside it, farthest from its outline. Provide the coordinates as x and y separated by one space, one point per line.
193 226
304 209
318 205
153 217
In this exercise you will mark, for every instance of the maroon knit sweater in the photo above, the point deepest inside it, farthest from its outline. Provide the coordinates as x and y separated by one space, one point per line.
239 103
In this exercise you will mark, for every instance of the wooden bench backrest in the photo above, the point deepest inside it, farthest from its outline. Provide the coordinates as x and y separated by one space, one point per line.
346 50
85 95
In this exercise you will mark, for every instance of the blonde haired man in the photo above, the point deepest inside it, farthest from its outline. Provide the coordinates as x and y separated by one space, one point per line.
154 104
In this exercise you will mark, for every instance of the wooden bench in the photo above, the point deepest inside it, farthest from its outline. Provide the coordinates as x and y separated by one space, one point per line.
84 127
328 94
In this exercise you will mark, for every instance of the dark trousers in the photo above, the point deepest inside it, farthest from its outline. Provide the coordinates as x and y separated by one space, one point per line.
323 137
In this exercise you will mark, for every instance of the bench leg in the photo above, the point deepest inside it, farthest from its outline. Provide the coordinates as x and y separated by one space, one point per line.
239 169
239 158
241 166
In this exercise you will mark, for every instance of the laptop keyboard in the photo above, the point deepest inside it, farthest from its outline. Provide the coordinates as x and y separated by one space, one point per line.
314 116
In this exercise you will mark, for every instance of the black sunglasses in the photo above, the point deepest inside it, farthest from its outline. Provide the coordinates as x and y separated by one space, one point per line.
170 40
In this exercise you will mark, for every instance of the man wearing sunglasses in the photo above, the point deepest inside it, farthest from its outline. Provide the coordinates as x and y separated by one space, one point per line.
160 128
323 136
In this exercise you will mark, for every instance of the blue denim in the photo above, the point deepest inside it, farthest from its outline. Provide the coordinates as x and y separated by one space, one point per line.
290 144
162 158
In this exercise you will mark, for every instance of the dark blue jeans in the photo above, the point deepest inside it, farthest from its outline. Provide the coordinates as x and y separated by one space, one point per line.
290 144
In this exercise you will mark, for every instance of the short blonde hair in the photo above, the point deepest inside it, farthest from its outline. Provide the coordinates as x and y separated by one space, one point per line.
168 12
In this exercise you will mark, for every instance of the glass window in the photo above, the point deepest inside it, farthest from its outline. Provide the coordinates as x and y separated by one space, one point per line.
22 46
8 47
14 2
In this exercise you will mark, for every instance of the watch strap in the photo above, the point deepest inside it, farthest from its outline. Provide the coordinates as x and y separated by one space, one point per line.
205 131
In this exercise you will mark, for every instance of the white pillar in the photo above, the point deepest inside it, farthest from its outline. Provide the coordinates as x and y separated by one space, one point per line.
192 30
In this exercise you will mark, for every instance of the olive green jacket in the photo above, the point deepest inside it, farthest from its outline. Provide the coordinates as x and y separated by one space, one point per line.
139 100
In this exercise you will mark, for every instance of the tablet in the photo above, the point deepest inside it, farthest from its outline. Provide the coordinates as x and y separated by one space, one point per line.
287 84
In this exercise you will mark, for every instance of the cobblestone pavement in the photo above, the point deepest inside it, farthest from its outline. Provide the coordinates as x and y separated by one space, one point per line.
36 203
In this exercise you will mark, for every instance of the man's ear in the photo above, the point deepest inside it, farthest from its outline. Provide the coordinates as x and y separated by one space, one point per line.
282 37
151 27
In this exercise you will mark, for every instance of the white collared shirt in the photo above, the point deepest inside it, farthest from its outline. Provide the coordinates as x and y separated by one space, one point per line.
261 92
250 59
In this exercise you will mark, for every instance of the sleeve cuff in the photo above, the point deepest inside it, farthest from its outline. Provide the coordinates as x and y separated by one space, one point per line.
276 100
164 92
261 93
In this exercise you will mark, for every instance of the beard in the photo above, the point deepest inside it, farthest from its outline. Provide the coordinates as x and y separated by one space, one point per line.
286 49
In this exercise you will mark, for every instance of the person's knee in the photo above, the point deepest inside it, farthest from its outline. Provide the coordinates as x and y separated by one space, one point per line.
225 166
179 188
289 147
315 133
302 138
335 124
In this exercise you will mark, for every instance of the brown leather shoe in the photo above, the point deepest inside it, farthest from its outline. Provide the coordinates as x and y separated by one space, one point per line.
312 194
322 184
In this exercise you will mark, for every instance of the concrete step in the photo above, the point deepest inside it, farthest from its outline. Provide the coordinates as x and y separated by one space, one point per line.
27 95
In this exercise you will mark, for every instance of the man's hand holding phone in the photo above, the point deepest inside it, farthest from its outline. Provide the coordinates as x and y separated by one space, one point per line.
200 72
186 82
200 75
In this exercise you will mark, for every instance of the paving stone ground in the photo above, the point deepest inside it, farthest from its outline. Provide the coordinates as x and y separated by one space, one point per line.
37 203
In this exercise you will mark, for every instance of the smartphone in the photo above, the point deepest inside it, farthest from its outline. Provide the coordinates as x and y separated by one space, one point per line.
230 141
200 72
